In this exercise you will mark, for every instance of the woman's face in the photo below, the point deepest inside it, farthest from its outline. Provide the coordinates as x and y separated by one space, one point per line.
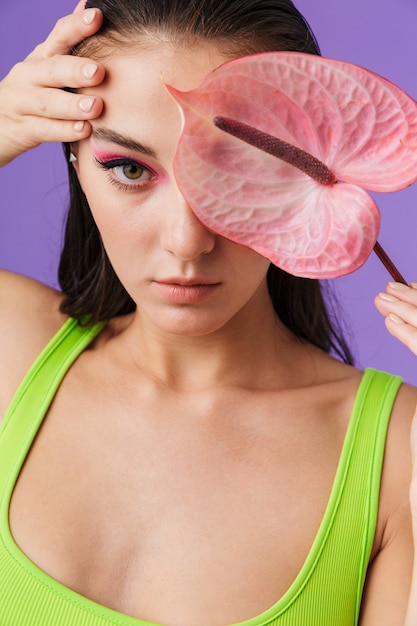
183 277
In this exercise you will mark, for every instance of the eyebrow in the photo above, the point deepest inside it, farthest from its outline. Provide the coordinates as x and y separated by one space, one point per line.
111 136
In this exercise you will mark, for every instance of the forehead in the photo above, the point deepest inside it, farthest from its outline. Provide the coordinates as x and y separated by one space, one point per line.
134 93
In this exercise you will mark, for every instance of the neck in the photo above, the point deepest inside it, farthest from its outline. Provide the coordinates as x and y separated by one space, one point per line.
250 351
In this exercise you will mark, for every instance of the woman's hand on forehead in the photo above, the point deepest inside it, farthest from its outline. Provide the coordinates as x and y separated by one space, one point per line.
37 99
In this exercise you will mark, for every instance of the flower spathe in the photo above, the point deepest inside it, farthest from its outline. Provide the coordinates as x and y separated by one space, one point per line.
362 127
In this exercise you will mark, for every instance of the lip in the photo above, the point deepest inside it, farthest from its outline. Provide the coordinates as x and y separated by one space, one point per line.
185 291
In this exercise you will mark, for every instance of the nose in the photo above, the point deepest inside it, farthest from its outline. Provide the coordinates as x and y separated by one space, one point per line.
182 233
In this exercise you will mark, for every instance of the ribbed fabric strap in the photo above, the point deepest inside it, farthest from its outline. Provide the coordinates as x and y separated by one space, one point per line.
327 590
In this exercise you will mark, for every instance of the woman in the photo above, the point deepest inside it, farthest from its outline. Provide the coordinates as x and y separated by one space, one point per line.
185 450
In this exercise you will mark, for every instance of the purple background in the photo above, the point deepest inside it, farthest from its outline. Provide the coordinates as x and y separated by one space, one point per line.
381 36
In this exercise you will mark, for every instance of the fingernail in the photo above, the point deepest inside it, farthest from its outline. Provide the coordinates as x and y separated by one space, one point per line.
395 318
88 16
387 297
413 285
399 286
79 127
89 70
86 104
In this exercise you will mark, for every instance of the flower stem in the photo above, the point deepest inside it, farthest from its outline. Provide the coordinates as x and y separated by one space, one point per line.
386 261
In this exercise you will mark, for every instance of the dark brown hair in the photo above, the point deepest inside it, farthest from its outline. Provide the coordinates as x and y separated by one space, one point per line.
90 286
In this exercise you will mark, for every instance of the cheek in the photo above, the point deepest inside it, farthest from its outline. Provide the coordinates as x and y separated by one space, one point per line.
116 216
124 234
250 263
114 209
249 269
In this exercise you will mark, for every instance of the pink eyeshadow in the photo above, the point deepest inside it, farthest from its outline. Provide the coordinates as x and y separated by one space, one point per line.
107 156
104 155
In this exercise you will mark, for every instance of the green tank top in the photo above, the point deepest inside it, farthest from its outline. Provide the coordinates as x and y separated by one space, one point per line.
327 590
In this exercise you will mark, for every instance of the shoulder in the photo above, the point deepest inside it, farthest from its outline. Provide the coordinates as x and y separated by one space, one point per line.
396 475
396 471
389 574
345 385
29 317
397 462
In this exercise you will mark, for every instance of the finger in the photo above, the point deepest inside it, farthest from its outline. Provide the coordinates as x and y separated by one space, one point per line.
400 319
59 72
68 32
408 293
44 130
402 331
47 130
387 304
60 105
50 100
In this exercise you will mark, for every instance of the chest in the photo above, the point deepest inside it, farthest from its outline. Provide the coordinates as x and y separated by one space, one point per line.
171 511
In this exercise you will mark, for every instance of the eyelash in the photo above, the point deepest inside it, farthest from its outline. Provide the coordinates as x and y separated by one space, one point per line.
108 166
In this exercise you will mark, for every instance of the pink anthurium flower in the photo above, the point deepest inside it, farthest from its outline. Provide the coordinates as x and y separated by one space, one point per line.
337 130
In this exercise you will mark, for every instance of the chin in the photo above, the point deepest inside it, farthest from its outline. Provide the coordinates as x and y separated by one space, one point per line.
189 323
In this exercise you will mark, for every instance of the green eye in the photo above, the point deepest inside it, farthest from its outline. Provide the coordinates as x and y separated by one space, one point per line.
125 172
133 171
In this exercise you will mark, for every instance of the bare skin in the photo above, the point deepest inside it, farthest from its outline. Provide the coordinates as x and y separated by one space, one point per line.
113 436
398 304
184 429
34 107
